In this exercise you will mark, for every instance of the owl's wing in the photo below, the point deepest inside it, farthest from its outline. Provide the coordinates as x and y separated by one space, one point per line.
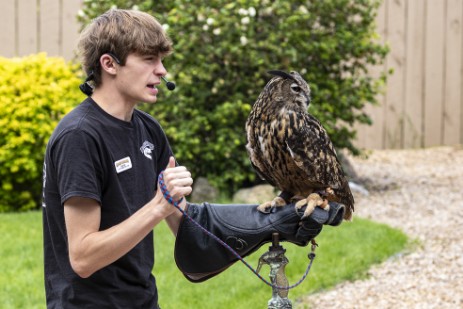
256 157
263 175
313 152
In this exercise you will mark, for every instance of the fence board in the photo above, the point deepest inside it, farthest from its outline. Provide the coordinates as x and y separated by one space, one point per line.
461 87
70 32
7 35
373 136
27 27
413 108
434 72
395 86
50 27
453 65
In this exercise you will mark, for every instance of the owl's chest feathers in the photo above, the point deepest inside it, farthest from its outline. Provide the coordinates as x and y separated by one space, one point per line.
272 133
271 140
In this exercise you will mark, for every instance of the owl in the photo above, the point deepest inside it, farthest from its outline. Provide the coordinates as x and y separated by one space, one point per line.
290 149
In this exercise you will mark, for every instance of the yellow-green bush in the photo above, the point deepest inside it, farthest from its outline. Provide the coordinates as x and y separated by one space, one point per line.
35 92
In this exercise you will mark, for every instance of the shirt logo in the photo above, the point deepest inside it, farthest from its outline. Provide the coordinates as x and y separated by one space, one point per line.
147 149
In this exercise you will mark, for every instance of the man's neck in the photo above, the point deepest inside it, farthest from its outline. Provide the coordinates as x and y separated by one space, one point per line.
113 104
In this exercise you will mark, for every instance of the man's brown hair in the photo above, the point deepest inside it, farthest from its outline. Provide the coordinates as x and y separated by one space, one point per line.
121 32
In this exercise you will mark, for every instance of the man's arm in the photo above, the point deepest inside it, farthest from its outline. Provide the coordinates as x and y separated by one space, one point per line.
91 249
173 221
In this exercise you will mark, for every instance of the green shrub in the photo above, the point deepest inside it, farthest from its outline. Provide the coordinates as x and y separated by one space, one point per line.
223 51
35 92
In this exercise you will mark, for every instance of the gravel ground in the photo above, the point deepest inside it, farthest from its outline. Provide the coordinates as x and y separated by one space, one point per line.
419 192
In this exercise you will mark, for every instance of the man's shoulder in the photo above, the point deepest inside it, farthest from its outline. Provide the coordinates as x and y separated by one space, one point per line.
147 120
72 121
75 114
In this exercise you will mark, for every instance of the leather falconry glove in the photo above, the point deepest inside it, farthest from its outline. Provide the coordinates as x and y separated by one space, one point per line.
200 257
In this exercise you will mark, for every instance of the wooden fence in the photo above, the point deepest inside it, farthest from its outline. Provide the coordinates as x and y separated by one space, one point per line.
422 104
30 26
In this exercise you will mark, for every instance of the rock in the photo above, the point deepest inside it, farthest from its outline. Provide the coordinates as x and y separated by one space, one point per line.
347 165
203 191
255 195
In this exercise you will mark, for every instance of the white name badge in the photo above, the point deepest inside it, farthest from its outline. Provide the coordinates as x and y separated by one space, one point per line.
123 164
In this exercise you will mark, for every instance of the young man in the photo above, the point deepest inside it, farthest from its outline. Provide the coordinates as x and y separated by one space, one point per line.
101 198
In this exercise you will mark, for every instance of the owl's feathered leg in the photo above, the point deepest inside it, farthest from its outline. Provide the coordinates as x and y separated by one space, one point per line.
314 200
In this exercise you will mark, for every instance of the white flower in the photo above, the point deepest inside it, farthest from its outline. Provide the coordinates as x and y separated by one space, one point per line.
245 20
267 11
165 27
205 27
252 11
210 21
81 13
200 17
243 40
216 31
135 8
243 12
303 9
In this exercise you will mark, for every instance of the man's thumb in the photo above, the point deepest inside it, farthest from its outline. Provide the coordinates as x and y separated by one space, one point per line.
171 162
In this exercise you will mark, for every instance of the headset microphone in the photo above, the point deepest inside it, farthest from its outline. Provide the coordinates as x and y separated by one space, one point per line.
170 85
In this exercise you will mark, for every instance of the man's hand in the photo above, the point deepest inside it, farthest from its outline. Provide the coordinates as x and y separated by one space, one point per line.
178 181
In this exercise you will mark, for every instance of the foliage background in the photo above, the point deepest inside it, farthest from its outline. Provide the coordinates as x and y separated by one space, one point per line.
35 92
223 51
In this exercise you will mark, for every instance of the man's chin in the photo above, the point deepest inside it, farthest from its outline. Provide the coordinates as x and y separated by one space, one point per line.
151 100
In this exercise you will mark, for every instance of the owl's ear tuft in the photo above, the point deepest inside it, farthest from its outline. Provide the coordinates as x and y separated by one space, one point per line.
281 74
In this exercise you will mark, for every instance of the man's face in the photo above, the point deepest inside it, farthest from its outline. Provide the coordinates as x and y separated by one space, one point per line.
138 79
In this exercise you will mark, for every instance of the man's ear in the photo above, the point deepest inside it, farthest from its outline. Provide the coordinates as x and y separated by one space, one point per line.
108 64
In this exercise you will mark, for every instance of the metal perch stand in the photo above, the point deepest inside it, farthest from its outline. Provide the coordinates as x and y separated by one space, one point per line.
276 259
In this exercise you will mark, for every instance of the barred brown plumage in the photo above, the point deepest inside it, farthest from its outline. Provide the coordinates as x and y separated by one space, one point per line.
290 149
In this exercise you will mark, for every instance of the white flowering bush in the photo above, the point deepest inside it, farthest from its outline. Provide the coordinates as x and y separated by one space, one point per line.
223 50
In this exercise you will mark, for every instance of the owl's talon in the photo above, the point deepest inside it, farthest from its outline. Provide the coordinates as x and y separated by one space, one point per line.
266 207
278 202
300 204
312 201
307 213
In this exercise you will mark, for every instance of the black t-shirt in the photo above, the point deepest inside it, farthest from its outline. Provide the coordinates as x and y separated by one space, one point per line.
94 155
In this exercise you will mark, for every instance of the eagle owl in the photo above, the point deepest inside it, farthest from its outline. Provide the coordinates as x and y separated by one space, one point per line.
290 149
